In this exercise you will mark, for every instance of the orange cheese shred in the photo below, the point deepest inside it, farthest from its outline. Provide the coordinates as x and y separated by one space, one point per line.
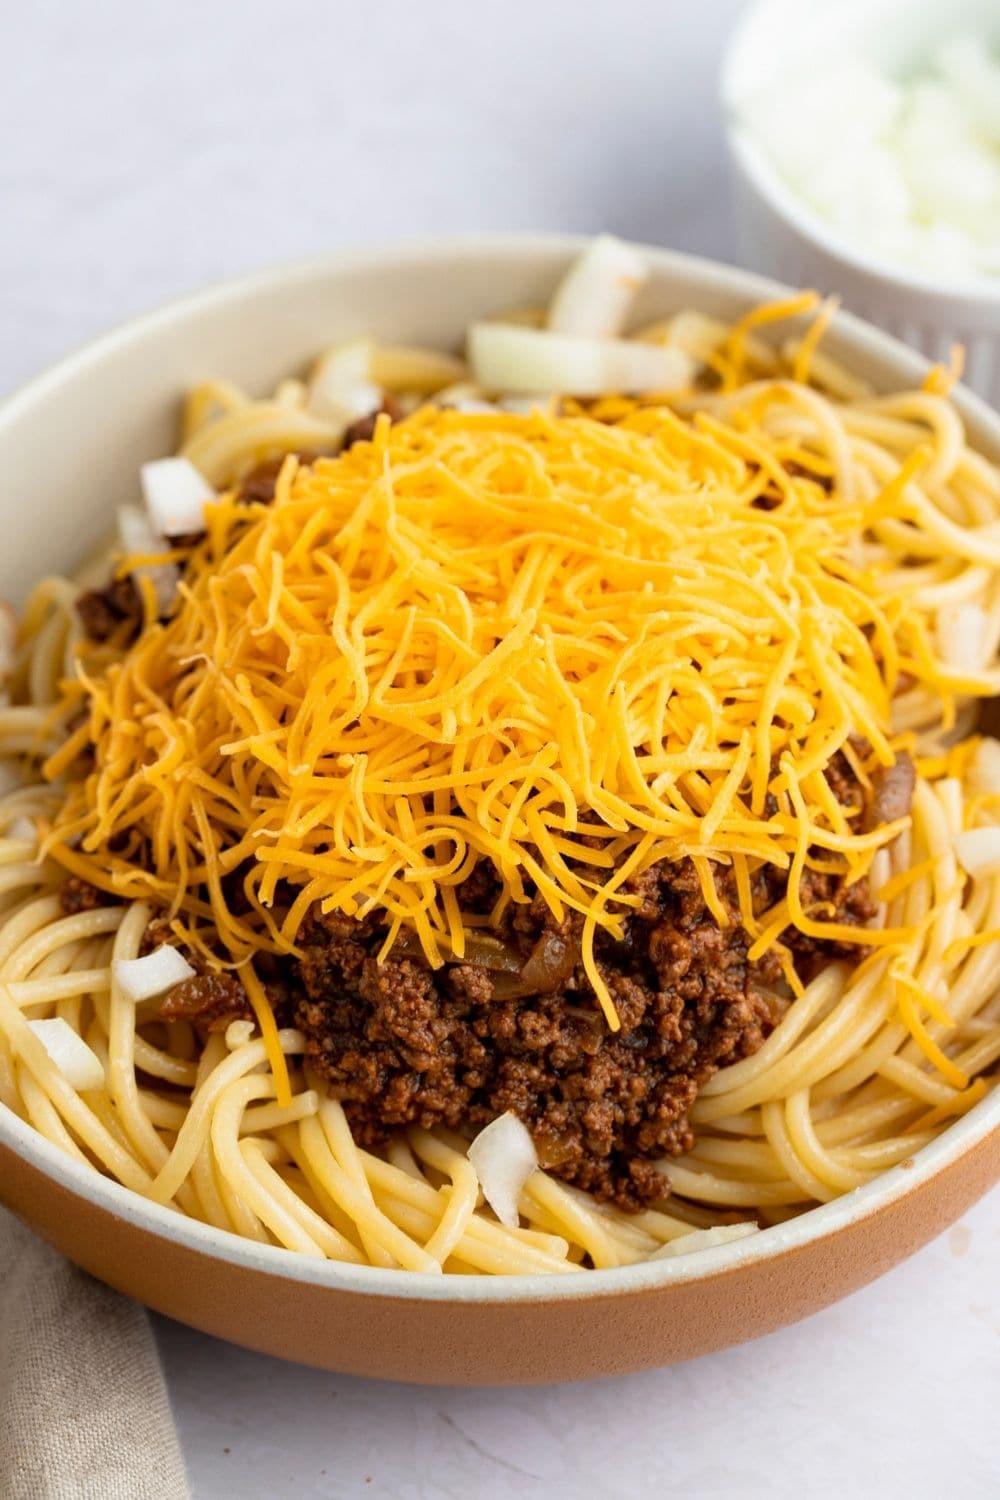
269 1032
564 646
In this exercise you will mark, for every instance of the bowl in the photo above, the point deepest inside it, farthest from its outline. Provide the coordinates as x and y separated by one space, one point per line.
74 440
786 238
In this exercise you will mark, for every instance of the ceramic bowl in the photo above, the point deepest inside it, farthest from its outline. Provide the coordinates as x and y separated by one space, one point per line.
72 443
780 233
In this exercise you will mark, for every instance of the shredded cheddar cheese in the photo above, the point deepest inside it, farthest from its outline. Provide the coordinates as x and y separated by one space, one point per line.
571 647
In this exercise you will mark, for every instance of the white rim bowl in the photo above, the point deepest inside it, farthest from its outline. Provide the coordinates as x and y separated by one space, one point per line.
25 422
775 36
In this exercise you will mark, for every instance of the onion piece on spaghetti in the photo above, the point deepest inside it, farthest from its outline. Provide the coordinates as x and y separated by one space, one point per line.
593 298
21 828
537 361
963 637
142 978
341 388
705 1239
79 1064
176 494
138 537
978 851
504 1157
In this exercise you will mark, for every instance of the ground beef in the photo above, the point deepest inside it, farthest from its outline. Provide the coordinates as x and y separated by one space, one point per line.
257 487
892 791
213 1000
844 784
400 1044
76 895
827 899
363 430
117 608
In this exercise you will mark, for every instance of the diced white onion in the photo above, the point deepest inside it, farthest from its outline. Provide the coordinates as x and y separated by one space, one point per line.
704 1239
912 168
973 73
984 772
138 536
504 1157
79 1064
176 494
978 851
21 828
962 632
341 388
359 400
142 978
593 298
535 360
137 533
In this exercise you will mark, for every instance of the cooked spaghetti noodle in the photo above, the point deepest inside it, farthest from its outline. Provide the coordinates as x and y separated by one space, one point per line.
573 644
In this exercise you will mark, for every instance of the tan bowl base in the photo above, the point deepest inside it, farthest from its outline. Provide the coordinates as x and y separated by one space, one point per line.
490 1343
102 413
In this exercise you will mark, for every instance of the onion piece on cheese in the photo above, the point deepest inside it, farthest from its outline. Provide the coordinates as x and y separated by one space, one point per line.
978 851
142 978
593 298
176 494
537 361
79 1064
504 1157
705 1239
138 537
21 828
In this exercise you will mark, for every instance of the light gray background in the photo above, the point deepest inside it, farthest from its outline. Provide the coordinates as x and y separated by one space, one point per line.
147 149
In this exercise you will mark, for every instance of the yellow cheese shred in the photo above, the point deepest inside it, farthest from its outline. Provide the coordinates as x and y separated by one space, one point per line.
568 647
269 1032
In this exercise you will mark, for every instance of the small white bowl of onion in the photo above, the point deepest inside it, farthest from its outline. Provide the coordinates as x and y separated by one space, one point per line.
865 142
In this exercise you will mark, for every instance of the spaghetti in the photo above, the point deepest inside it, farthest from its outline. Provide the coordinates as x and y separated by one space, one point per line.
573 646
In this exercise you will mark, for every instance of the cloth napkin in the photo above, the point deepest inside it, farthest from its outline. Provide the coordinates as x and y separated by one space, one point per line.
84 1413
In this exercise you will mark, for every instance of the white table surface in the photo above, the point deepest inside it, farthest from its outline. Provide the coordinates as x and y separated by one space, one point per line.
146 150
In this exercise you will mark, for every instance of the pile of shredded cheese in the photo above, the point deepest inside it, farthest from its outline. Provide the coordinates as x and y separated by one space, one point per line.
569 646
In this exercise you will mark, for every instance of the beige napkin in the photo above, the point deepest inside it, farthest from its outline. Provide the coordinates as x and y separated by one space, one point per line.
84 1413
